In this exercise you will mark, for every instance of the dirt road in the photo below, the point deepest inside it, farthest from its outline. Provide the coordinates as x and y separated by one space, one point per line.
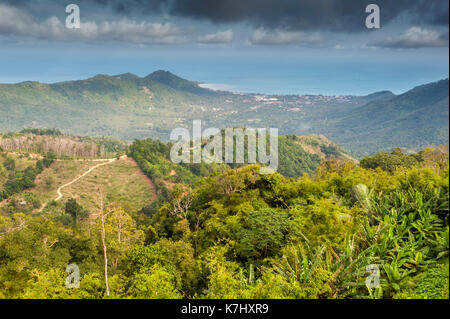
60 195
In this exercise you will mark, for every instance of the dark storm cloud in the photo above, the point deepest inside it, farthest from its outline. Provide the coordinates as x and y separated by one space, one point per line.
17 22
134 6
434 12
424 23
333 15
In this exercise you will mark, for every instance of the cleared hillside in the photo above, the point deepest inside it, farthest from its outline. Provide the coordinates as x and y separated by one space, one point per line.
120 181
63 145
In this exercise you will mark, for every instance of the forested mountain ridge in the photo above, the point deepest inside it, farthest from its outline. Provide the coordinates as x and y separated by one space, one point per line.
297 156
99 106
413 119
178 83
380 96
127 107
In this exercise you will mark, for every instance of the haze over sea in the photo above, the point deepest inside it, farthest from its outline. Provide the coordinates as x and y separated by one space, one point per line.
293 71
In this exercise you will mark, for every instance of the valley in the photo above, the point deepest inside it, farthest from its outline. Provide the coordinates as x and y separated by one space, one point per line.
129 107
121 179
86 178
241 156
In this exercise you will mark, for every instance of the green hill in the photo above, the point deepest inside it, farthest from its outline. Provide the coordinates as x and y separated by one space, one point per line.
124 106
411 120
299 155
177 83
129 107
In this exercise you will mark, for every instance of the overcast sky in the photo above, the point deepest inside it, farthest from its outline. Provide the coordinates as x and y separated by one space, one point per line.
285 46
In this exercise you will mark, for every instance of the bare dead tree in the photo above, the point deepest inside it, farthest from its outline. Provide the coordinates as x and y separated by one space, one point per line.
197 221
21 225
229 184
181 205
46 245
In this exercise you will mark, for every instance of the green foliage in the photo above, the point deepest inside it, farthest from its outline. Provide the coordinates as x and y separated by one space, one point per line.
49 159
294 160
390 162
75 210
153 158
239 234
413 120
51 284
172 259
433 283
157 283
120 107
9 164
41 131
324 221
19 180
263 234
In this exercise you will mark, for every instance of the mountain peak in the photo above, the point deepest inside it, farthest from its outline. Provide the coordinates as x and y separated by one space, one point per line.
428 94
161 75
127 76
385 95
100 76
175 82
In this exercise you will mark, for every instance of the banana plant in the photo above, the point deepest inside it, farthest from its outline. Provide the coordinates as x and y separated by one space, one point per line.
396 275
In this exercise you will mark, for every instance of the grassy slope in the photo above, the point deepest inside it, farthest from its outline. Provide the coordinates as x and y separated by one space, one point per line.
121 181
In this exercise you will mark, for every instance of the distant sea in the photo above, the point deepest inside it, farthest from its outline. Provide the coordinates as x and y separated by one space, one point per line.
249 70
